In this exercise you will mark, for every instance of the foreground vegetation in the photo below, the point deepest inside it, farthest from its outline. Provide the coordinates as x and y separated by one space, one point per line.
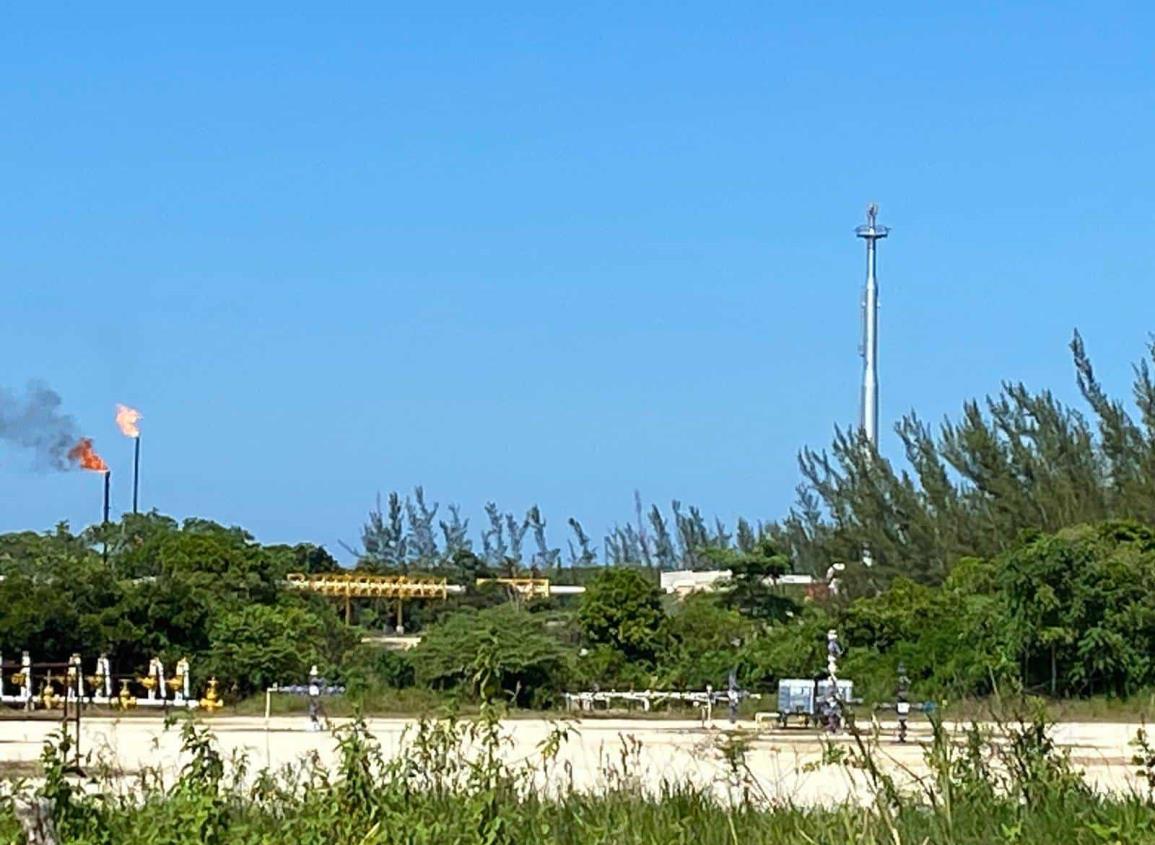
451 785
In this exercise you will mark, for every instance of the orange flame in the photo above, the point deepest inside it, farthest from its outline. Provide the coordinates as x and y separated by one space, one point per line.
126 419
85 456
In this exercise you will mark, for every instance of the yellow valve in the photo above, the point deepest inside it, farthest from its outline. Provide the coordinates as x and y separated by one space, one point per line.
212 699
125 698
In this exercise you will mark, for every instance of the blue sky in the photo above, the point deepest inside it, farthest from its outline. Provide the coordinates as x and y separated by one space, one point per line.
526 255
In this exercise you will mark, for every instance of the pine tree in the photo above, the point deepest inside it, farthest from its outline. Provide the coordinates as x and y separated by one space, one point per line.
493 545
422 543
516 533
586 556
455 533
643 540
383 541
544 558
664 553
746 537
1016 462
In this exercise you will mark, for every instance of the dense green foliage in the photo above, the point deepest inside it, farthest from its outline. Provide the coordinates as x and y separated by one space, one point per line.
1071 613
497 650
261 645
1068 614
622 610
706 642
196 590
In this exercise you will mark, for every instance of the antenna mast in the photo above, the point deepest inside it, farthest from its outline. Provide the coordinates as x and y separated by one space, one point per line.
871 233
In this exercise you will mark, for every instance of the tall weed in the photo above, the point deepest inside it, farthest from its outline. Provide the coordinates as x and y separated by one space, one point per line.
453 782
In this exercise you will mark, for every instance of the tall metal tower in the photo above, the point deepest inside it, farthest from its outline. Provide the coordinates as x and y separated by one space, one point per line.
871 233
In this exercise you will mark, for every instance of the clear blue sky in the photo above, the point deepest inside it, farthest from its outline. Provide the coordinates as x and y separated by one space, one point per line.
526 255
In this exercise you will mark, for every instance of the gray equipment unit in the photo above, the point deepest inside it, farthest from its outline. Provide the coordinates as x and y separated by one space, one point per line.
806 700
845 690
795 699
833 696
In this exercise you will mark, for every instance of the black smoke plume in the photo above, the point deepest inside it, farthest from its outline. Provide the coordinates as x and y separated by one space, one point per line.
35 422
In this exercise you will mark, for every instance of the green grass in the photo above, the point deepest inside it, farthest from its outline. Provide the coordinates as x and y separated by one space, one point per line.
414 701
1138 709
417 702
1021 790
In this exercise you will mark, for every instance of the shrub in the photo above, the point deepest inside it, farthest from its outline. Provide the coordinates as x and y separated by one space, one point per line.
622 609
706 642
258 646
499 650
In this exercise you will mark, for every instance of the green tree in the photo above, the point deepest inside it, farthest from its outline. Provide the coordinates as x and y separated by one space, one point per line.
706 643
751 590
1080 609
622 608
495 651
794 648
254 647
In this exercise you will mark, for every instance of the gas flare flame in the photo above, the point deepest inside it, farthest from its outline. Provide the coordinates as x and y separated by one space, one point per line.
84 456
126 419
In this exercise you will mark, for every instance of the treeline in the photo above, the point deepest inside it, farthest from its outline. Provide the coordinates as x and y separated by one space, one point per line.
194 589
1069 613
1064 614
408 533
1013 552
1015 462
149 586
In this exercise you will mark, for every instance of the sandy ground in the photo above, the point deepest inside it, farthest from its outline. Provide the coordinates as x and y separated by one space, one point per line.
782 762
